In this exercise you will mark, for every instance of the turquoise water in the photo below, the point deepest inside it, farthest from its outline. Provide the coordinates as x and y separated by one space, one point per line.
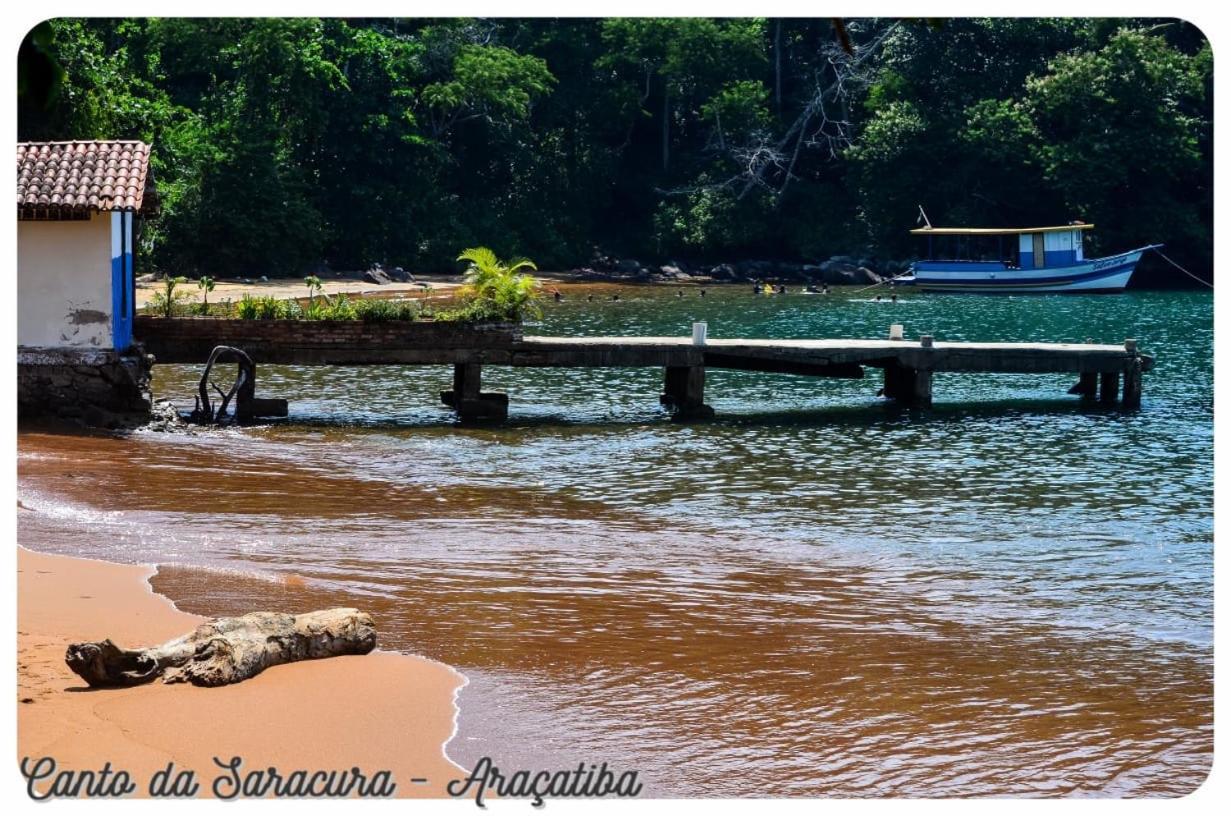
813 593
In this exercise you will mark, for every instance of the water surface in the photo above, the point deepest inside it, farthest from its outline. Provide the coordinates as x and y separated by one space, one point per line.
815 593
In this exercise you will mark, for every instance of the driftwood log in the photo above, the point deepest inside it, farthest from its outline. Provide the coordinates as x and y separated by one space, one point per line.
227 650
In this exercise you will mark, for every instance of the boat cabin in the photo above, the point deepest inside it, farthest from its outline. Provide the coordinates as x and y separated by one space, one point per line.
1011 248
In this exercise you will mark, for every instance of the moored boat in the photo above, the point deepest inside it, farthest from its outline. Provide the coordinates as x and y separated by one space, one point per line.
1017 260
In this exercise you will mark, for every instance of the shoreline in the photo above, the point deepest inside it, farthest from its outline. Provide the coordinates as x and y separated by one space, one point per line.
395 712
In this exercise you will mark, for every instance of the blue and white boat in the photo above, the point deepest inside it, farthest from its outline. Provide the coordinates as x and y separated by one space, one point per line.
1020 260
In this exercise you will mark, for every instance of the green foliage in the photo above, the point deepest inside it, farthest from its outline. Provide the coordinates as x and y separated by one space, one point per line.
496 289
262 308
281 143
169 301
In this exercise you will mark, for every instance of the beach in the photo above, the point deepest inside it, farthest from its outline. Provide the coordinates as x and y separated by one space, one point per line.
377 712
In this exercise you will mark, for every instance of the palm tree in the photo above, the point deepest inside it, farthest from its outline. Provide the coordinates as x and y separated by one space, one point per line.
498 289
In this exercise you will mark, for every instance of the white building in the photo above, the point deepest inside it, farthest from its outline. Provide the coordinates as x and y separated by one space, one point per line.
76 206
76 202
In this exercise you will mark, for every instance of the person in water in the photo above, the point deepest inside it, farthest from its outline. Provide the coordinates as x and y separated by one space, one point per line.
590 297
556 294
893 298
679 293
702 293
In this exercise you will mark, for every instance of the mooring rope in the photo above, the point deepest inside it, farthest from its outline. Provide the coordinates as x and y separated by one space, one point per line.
1182 269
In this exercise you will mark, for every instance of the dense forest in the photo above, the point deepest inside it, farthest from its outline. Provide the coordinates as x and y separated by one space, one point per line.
280 144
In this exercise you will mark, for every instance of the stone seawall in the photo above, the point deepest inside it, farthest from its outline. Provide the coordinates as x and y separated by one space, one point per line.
103 389
316 342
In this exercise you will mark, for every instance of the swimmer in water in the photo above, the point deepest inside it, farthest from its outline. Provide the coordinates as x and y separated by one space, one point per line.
878 298
590 297
556 294
702 293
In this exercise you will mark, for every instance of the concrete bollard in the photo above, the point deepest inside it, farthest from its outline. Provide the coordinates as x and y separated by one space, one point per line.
698 334
925 340
1130 346
895 331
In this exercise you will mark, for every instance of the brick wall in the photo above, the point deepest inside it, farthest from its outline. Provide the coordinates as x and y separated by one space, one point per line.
318 342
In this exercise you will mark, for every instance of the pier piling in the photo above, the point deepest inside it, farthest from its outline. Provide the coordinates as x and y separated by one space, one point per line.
1108 387
684 392
469 401
909 387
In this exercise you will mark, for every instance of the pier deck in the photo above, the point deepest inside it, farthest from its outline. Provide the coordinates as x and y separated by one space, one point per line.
908 365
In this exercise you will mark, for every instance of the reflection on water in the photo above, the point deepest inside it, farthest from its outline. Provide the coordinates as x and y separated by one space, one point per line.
814 594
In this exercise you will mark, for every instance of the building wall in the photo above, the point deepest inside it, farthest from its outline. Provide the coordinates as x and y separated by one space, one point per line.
64 283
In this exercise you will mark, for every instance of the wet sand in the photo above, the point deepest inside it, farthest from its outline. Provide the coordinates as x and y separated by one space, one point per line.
381 711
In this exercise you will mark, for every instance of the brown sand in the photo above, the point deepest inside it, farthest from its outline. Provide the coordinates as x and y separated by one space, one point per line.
382 711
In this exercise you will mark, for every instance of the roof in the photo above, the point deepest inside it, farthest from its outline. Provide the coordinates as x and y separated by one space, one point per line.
996 230
82 176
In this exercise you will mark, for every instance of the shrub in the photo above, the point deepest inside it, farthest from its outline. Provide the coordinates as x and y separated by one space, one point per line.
386 311
262 308
169 302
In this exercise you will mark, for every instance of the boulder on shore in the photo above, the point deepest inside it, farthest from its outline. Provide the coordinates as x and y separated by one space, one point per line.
377 275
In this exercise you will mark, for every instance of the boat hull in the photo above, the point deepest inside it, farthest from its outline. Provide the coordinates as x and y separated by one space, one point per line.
1097 275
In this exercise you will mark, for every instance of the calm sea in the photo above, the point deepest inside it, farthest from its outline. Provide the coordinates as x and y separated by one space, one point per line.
813 594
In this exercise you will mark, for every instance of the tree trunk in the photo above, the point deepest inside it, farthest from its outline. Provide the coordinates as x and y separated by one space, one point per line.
227 650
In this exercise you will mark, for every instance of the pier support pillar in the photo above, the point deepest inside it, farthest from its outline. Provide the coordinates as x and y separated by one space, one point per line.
684 392
469 401
910 387
1108 387
1087 385
1132 385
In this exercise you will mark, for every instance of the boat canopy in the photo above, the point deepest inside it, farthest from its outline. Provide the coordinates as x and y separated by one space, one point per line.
996 230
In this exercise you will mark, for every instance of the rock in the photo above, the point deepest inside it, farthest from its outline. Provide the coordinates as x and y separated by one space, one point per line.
723 272
376 275
628 266
838 265
672 272
400 275
868 275
149 277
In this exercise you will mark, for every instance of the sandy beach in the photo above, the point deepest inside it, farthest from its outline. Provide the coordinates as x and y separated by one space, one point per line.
381 711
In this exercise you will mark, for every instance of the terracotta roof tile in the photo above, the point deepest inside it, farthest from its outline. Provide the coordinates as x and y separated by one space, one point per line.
82 175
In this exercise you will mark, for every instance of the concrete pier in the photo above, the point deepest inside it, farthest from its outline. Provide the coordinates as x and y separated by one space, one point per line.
910 366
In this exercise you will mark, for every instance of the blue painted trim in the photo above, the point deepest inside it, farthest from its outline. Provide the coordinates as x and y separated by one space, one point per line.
1040 281
121 285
